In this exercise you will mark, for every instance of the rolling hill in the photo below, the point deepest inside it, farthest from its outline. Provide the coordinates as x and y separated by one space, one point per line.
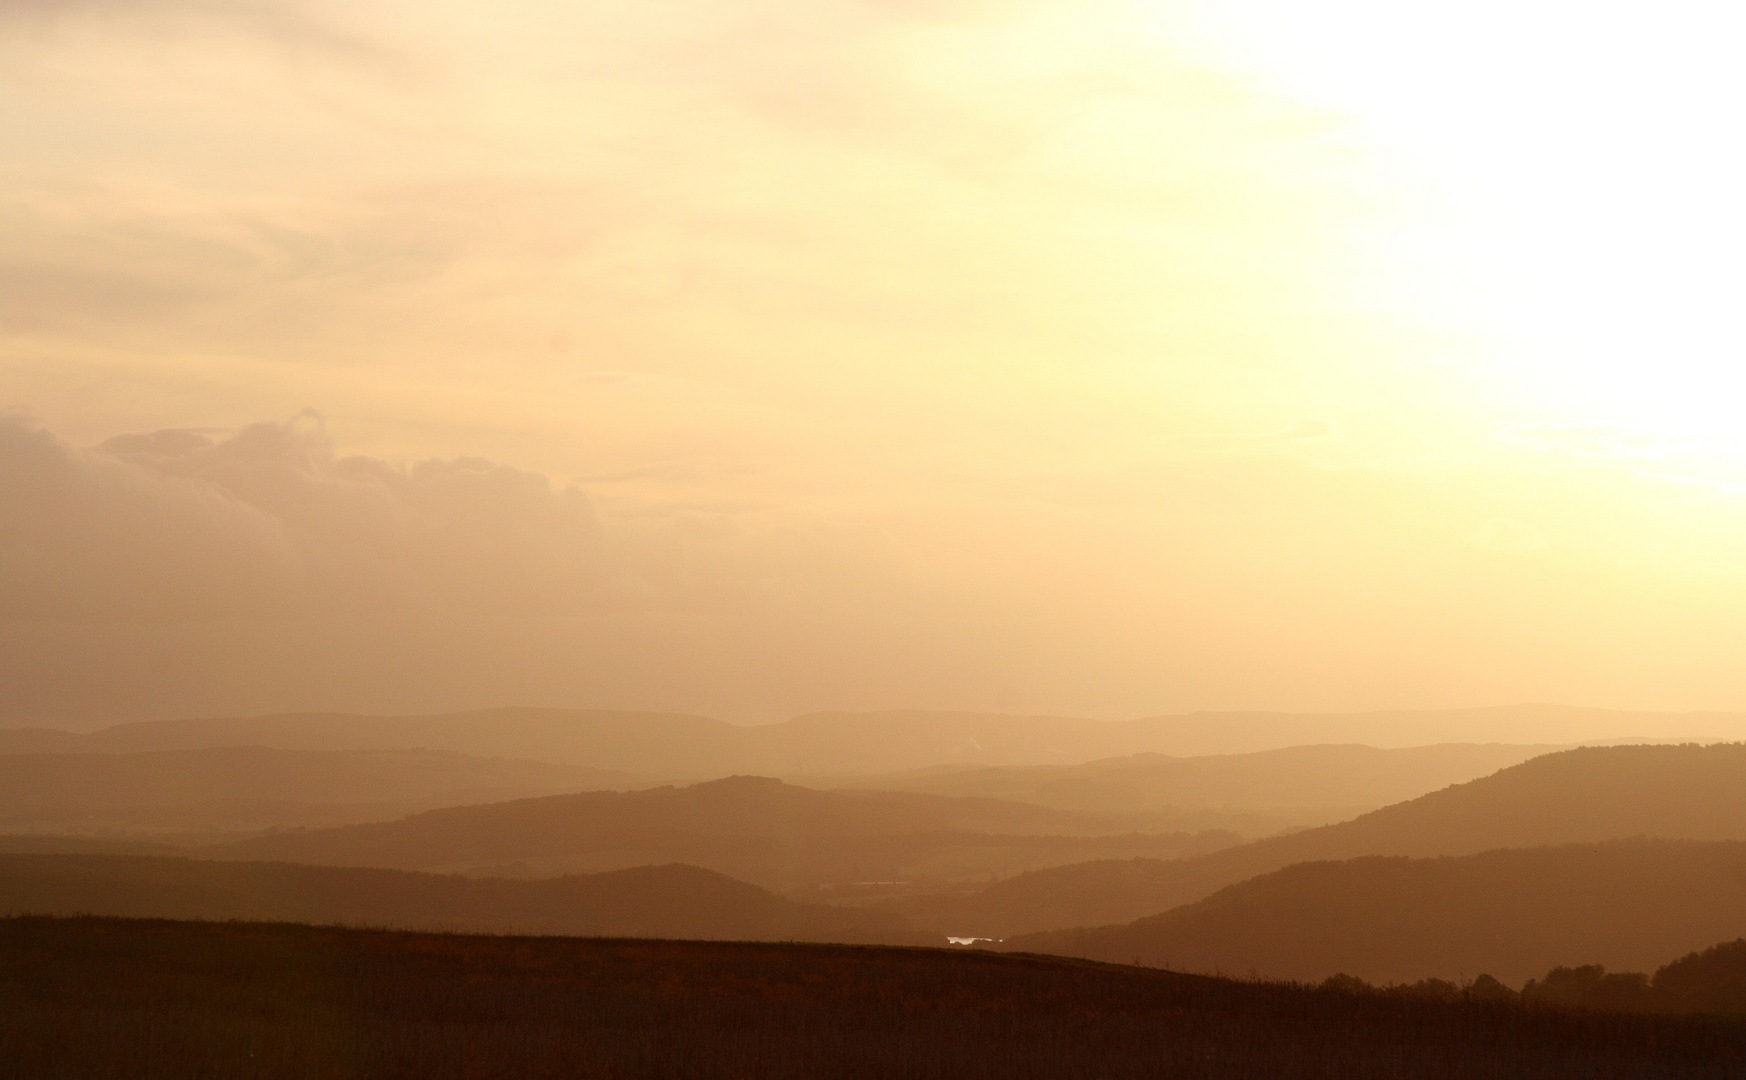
1513 914
754 828
657 743
649 901
668 746
1259 793
102 998
254 787
1589 794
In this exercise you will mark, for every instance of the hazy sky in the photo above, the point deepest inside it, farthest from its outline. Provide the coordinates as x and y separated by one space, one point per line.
752 357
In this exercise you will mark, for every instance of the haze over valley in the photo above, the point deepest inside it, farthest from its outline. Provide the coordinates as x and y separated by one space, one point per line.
853 539
1467 864
1525 875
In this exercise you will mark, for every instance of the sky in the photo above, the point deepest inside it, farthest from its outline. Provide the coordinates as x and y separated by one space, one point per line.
1100 358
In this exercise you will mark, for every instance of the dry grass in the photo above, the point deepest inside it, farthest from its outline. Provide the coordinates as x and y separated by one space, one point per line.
146 999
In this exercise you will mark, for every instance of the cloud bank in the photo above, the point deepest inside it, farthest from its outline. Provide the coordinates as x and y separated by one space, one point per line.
754 356
260 568
269 521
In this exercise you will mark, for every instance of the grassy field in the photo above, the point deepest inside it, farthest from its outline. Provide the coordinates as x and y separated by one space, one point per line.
144 999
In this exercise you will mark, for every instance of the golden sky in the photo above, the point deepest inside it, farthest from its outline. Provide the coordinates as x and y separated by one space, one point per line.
1103 358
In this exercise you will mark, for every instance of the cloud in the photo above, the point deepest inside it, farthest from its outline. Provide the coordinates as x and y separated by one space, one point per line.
46 10
197 571
290 24
268 520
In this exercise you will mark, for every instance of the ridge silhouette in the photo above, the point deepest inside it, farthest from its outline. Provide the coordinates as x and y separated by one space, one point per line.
254 787
677 746
758 829
1512 913
1588 794
647 901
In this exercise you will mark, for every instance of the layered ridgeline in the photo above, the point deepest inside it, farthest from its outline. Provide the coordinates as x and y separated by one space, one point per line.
648 901
673 746
1513 914
235 788
1256 793
754 828
81 788
1584 795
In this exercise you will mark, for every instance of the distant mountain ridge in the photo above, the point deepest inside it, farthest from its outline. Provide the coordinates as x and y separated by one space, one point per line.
1268 790
1589 794
596 739
754 828
238 788
1512 913
650 901
675 746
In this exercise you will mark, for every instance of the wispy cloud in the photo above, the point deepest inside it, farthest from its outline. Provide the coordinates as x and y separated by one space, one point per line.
293 25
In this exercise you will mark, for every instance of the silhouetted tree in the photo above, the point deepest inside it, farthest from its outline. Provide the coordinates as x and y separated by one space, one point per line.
1346 984
1433 990
1713 980
1487 988
1590 987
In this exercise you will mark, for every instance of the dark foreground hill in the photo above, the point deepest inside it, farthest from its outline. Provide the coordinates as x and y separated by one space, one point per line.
1589 794
1711 980
647 901
753 828
92 998
255 787
1514 914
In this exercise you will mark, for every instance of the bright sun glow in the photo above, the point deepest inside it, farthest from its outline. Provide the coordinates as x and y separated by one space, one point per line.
770 356
1581 170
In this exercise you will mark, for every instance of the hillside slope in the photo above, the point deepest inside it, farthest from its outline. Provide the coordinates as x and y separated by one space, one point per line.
1514 914
255 787
656 743
681 747
650 901
754 828
879 742
105 998
1589 794
1201 733
1268 790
